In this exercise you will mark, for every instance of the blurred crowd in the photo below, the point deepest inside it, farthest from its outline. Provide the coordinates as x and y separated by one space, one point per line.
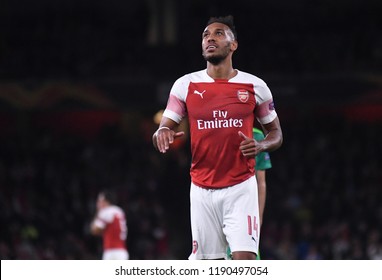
91 39
49 184
323 193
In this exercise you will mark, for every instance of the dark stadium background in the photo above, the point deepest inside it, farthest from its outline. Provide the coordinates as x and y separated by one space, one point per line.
81 80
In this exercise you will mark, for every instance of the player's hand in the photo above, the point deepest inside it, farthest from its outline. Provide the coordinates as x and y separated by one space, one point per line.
249 147
163 137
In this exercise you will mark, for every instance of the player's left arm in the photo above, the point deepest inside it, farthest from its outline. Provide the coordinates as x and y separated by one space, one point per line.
273 136
250 147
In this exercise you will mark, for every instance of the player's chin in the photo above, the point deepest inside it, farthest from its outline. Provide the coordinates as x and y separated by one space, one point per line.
206 55
213 58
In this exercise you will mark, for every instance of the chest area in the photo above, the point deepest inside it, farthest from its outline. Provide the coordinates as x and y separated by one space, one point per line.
220 100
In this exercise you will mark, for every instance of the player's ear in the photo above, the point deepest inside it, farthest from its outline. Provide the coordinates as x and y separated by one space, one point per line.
234 45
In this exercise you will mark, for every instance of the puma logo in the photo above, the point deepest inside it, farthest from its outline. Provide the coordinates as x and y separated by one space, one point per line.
199 93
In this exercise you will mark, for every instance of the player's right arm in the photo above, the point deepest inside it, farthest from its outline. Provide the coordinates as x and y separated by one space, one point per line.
95 229
172 116
165 134
97 226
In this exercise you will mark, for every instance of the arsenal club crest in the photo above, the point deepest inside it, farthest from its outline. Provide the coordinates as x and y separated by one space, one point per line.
243 95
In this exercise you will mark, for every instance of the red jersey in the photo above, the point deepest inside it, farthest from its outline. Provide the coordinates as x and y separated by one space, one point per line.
217 110
112 220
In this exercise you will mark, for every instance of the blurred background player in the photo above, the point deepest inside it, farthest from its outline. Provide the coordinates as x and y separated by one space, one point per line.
110 222
263 162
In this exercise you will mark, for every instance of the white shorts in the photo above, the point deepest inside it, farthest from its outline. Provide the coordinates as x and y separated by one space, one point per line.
115 254
224 217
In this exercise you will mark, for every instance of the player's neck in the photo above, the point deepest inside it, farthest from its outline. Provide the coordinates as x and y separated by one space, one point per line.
222 71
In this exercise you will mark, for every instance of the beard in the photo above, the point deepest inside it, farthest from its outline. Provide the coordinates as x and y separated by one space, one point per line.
215 59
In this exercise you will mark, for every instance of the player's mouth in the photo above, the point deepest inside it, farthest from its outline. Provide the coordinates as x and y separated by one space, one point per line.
211 47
